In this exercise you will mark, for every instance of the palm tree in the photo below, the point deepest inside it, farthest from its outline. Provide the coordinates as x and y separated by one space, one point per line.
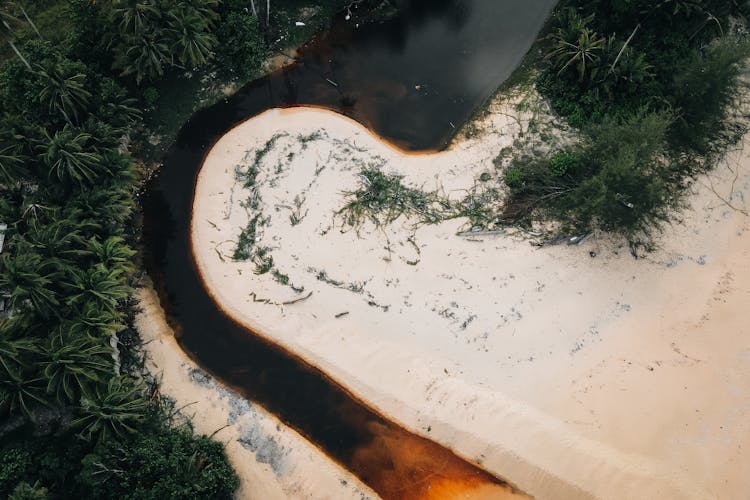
112 253
55 239
14 352
72 365
92 321
68 156
138 42
21 392
192 40
114 202
111 411
65 93
31 209
143 56
581 54
98 284
28 281
135 15
20 388
113 121
12 165
120 167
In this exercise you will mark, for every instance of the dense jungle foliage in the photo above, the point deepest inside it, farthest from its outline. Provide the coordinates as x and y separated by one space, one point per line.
653 88
79 415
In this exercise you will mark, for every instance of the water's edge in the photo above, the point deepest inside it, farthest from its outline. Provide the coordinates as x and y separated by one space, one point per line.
299 394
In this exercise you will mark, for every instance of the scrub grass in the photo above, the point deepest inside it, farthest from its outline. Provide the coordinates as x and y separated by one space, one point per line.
382 198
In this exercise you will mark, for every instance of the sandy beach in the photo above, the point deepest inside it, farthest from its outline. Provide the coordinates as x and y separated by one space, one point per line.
571 376
271 460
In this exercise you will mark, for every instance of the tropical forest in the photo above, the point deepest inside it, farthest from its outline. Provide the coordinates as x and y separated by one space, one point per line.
398 249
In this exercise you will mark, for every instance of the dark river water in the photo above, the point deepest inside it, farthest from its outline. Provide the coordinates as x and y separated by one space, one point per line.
412 80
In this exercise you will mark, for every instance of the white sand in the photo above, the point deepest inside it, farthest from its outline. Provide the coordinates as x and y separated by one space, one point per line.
271 460
570 376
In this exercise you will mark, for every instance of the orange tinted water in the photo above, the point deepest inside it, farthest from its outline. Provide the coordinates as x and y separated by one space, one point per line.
410 80
402 466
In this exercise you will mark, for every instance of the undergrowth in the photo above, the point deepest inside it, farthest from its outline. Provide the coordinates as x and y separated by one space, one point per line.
382 198
654 91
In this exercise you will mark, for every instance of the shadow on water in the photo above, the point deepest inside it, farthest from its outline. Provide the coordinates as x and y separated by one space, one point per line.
407 79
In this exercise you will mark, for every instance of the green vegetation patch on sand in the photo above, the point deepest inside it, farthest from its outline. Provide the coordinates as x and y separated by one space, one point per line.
654 90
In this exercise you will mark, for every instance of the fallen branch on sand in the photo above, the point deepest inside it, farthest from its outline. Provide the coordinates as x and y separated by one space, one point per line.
299 299
274 303
726 200
480 233
264 301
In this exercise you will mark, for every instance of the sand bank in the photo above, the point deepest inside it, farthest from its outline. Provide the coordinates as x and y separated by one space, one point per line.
570 376
272 460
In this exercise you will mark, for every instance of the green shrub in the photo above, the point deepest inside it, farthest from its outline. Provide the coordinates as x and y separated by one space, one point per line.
171 464
563 163
671 58
158 463
16 465
514 177
619 178
241 48
26 491
577 105
52 461
704 86
625 180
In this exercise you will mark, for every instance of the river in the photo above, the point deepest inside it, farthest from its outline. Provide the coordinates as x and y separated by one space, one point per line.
413 80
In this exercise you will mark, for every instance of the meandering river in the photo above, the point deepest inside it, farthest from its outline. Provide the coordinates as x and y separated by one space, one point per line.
413 80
